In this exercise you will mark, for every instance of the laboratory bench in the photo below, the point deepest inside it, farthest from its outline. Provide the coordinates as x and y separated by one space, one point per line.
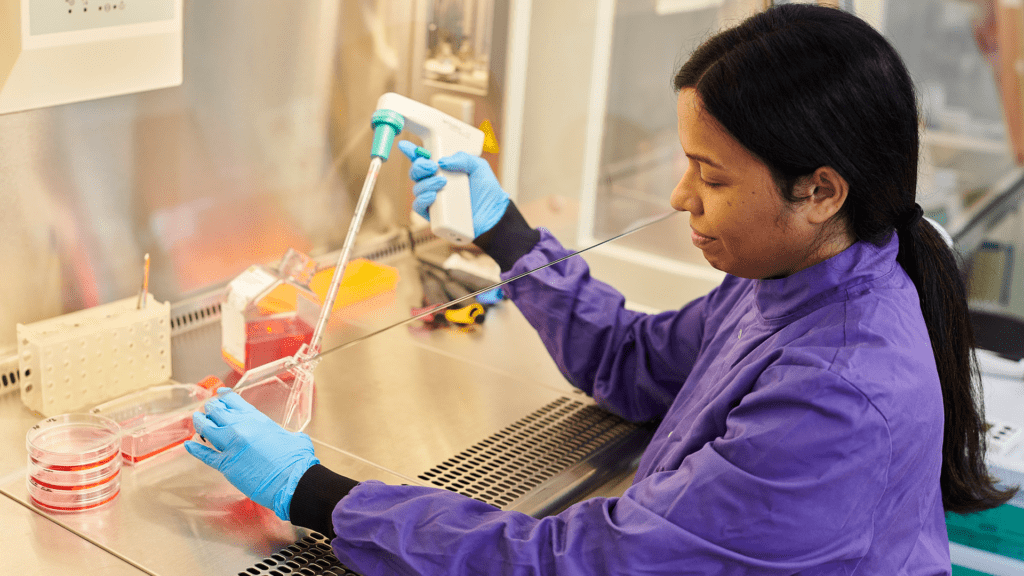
481 410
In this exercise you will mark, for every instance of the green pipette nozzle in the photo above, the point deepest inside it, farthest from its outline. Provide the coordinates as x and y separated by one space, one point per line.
386 125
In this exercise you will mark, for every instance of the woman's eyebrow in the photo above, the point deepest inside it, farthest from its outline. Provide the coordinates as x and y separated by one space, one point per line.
705 160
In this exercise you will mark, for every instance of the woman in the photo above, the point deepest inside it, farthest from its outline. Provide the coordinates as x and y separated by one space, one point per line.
817 409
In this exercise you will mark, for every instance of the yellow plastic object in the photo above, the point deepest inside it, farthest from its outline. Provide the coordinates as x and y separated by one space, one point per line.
466 315
363 279
490 140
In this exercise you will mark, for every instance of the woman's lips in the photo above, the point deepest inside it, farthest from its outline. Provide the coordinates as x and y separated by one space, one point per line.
700 240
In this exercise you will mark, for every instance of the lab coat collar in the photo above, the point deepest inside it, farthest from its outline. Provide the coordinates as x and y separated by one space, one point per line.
825 282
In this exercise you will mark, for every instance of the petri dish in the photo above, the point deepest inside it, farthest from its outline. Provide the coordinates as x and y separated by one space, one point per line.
74 500
74 462
73 442
74 479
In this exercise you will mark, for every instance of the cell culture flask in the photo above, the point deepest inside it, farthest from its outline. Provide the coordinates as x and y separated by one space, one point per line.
269 313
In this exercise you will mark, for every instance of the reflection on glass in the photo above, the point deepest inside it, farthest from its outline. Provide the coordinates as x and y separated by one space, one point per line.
958 53
437 386
964 147
459 44
948 47
641 159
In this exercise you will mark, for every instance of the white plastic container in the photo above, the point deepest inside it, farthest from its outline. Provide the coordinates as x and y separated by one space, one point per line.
80 359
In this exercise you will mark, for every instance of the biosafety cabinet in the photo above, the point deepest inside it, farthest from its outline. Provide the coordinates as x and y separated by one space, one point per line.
255 142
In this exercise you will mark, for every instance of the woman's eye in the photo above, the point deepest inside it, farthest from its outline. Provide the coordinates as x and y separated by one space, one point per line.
710 184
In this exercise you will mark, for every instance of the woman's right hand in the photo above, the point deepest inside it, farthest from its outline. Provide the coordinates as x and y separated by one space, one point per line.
487 199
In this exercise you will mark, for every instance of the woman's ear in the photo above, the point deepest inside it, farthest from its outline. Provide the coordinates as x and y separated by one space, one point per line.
828 194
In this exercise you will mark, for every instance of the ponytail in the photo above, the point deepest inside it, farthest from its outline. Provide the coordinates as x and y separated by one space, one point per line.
932 266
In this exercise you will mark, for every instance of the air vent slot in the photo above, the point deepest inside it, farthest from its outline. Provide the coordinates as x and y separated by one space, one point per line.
514 461
310 556
195 313
401 244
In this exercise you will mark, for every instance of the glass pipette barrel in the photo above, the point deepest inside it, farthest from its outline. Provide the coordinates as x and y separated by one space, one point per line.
346 251
310 351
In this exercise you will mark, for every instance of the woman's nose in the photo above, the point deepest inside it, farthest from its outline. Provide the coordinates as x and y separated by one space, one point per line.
683 199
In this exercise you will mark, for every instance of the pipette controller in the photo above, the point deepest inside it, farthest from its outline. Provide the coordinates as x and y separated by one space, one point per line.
451 216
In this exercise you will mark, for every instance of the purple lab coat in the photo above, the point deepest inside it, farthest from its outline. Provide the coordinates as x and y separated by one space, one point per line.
801 433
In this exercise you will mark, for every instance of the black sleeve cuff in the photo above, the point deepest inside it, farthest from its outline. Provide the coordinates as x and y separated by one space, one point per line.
510 239
318 492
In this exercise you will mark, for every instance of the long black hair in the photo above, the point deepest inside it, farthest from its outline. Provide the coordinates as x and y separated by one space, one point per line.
801 87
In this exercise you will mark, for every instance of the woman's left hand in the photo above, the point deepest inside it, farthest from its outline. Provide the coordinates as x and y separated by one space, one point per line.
254 453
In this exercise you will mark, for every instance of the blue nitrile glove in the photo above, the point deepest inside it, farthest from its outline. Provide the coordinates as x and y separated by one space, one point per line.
257 456
487 200
491 297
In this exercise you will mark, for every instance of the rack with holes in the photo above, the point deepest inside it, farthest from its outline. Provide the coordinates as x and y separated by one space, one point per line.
87 357
1003 438
1005 455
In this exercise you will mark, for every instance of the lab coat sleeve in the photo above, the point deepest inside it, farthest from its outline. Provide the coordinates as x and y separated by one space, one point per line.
793 484
631 363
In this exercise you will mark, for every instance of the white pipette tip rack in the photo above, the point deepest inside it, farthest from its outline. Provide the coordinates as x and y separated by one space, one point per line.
83 358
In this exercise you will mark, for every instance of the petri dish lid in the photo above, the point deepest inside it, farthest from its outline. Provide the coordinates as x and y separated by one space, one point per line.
73 441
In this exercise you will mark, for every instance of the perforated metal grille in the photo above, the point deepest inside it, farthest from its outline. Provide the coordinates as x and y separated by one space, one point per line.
195 313
498 470
310 556
401 244
511 463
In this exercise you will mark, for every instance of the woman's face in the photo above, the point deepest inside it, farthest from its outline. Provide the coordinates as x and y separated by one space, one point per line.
737 215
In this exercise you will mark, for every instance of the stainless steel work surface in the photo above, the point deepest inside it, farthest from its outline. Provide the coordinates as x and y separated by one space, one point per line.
33 544
409 398
504 343
174 515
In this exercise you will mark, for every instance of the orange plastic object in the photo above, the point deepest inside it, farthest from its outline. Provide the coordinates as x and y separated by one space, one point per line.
278 301
211 383
363 279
